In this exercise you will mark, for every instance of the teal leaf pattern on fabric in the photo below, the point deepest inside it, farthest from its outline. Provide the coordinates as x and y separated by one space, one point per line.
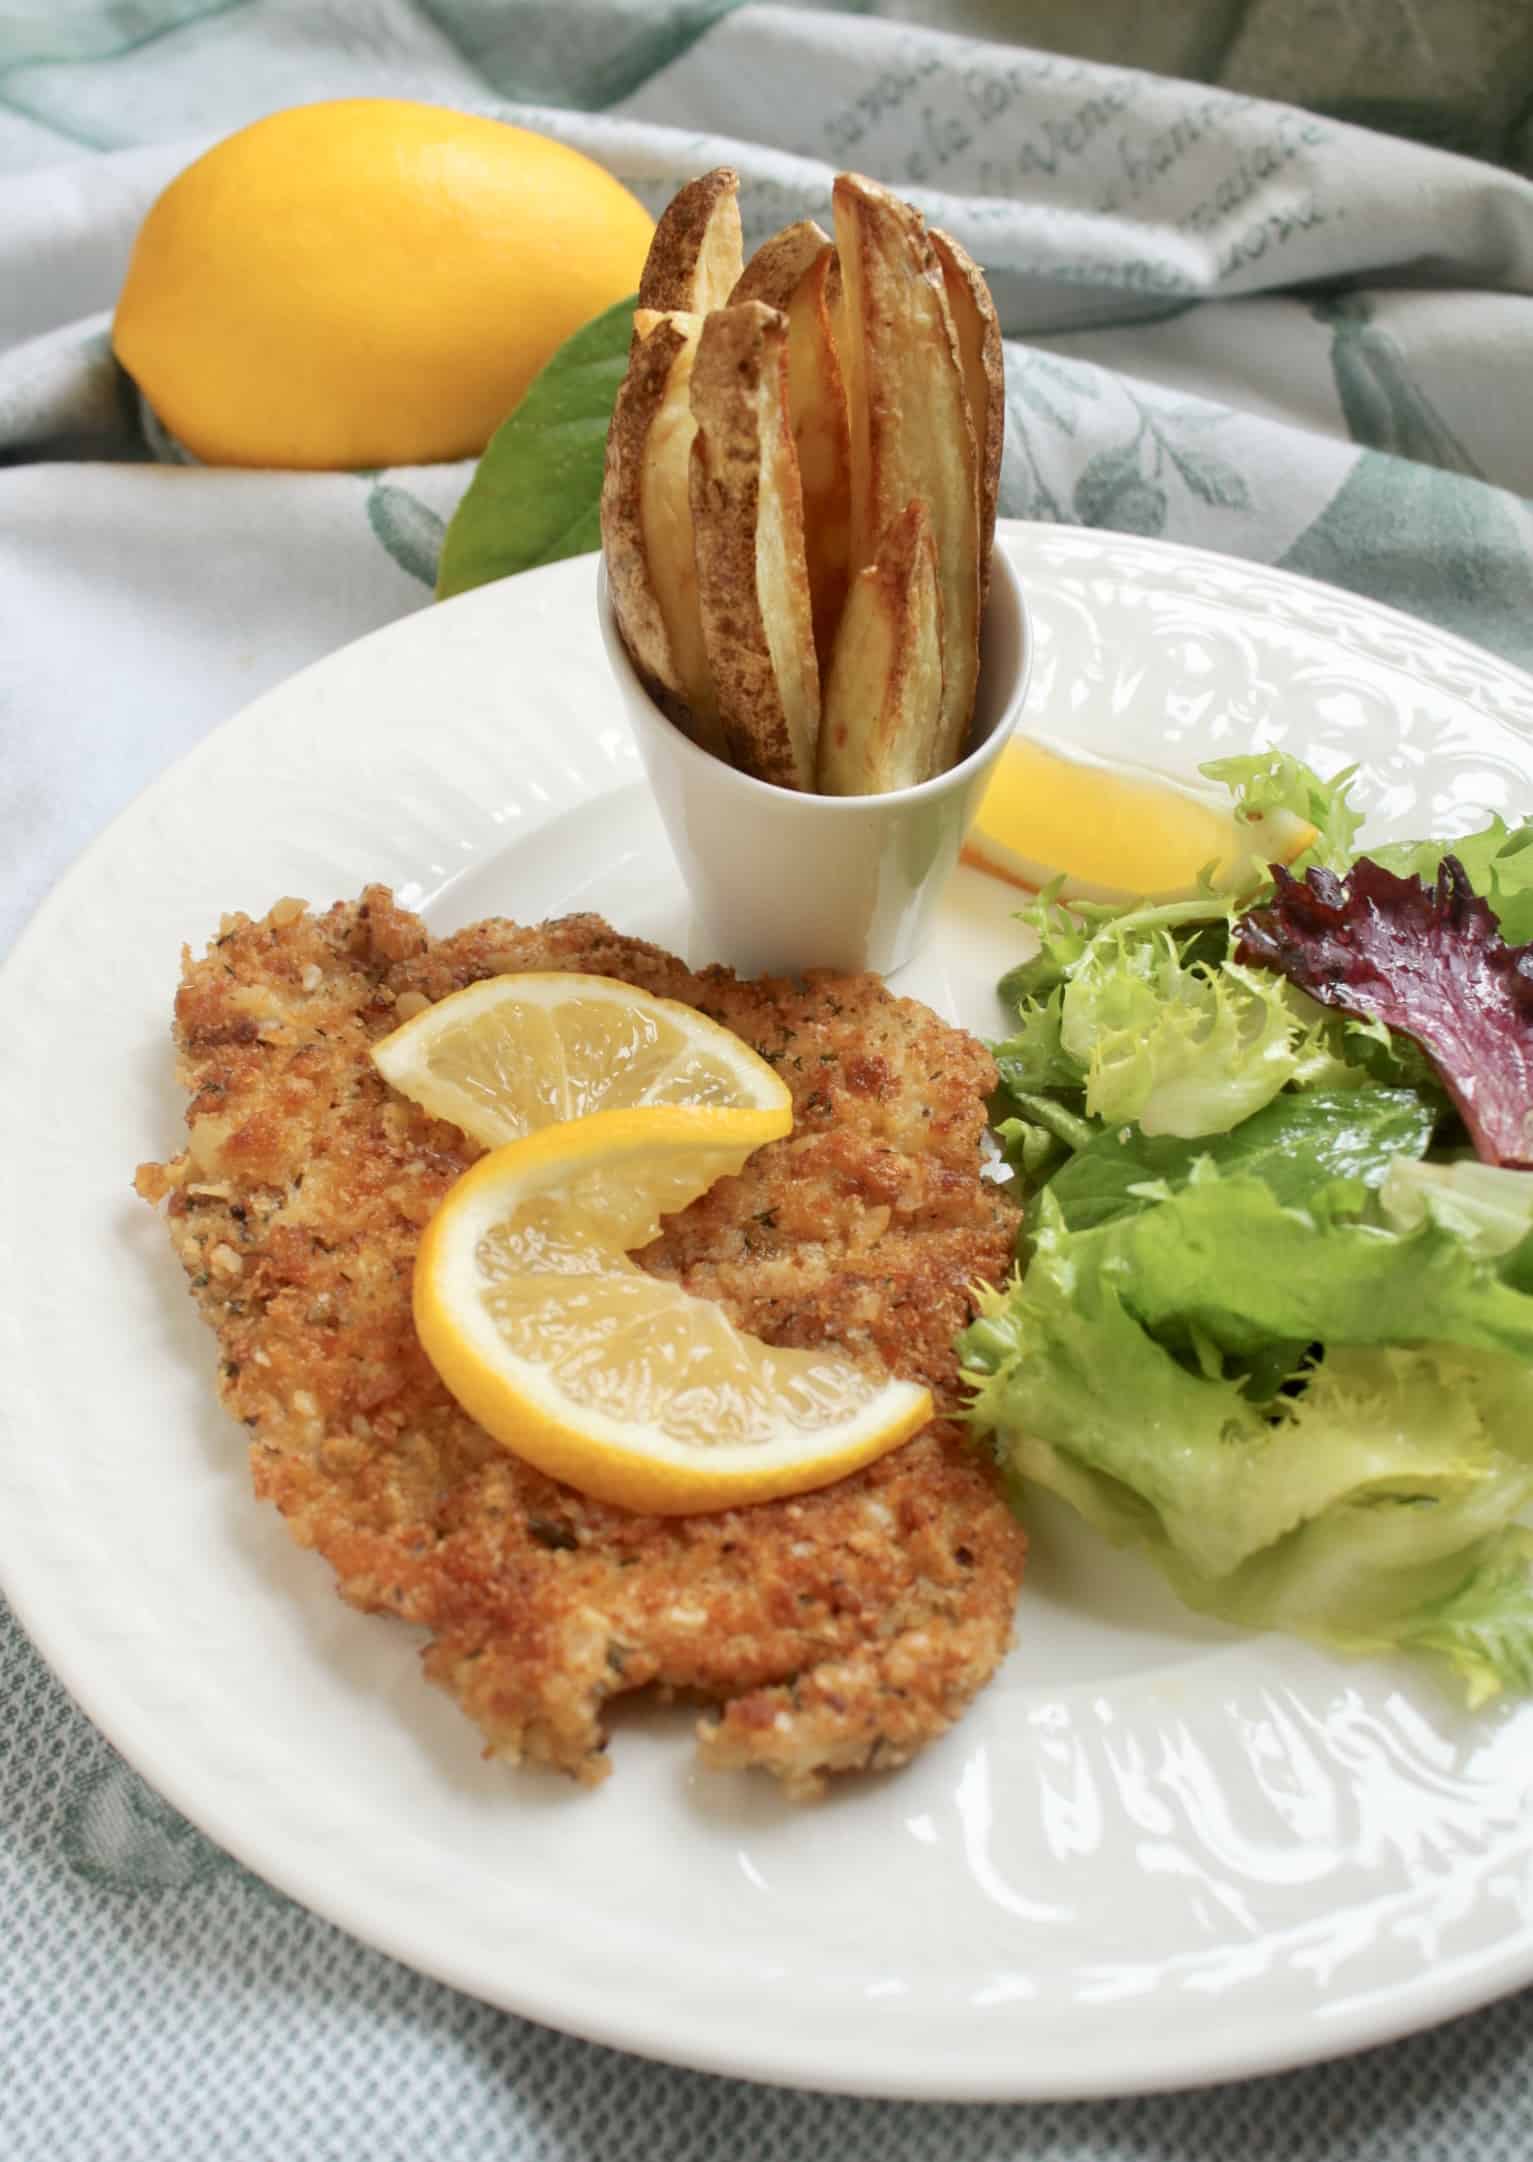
1437 544
117 1832
582 59
1414 523
1124 487
1033 393
1384 406
1128 485
1211 478
410 532
1108 479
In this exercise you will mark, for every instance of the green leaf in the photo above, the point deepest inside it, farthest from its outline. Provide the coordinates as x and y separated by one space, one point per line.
1356 1504
1488 1206
536 493
1067 1127
1034 1060
1182 1049
1275 781
1225 1255
1064 934
1295 1144
1499 862
1031 1151
1485 1626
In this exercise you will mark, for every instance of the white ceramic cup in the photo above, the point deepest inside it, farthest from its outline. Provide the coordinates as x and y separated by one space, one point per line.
782 880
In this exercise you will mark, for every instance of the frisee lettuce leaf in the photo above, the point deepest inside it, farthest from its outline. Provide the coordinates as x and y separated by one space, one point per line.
1276 781
1353 1504
1066 934
1181 1050
1484 1626
1033 1060
1142 1013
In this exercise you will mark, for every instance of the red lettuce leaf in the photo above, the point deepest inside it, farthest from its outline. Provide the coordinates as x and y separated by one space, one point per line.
1429 961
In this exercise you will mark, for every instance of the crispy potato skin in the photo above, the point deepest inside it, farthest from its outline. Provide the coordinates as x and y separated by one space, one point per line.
748 536
837 1631
646 522
795 271
911 435
776 270
631 582
822 438
984 370
696 256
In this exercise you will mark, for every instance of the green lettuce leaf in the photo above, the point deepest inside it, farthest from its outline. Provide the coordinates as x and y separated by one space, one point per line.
1034 1060
1262 1336
1296 1143
1498 859
1141 1011
1484 1627
1275 781
1181 1049
536 493
1030 1151
1488 1206
1226 1258
1065 935
1356 1503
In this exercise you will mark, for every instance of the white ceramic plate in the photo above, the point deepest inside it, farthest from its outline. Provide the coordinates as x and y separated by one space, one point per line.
1153 1853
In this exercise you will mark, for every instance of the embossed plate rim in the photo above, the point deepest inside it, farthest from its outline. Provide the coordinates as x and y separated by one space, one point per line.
282 1802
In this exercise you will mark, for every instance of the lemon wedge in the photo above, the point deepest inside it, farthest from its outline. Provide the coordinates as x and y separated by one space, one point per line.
1117 836
513 1053
620 1383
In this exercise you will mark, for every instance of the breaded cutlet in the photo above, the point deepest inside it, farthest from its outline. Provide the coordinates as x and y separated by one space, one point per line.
835 1632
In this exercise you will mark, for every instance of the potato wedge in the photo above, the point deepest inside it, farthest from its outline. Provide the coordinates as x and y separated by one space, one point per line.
748 540
796 271
911 436
697 254
821 435
883 695
776 270
646 524
984 374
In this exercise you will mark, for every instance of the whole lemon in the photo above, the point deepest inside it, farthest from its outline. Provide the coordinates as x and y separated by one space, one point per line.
367 282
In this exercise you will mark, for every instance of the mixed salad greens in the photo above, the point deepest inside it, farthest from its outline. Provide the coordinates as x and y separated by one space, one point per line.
1274 1321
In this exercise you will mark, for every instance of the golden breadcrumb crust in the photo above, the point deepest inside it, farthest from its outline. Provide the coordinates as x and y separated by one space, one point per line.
833 1632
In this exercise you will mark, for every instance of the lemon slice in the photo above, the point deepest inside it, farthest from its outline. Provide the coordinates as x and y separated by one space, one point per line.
1117 836
615 1381
514 1053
